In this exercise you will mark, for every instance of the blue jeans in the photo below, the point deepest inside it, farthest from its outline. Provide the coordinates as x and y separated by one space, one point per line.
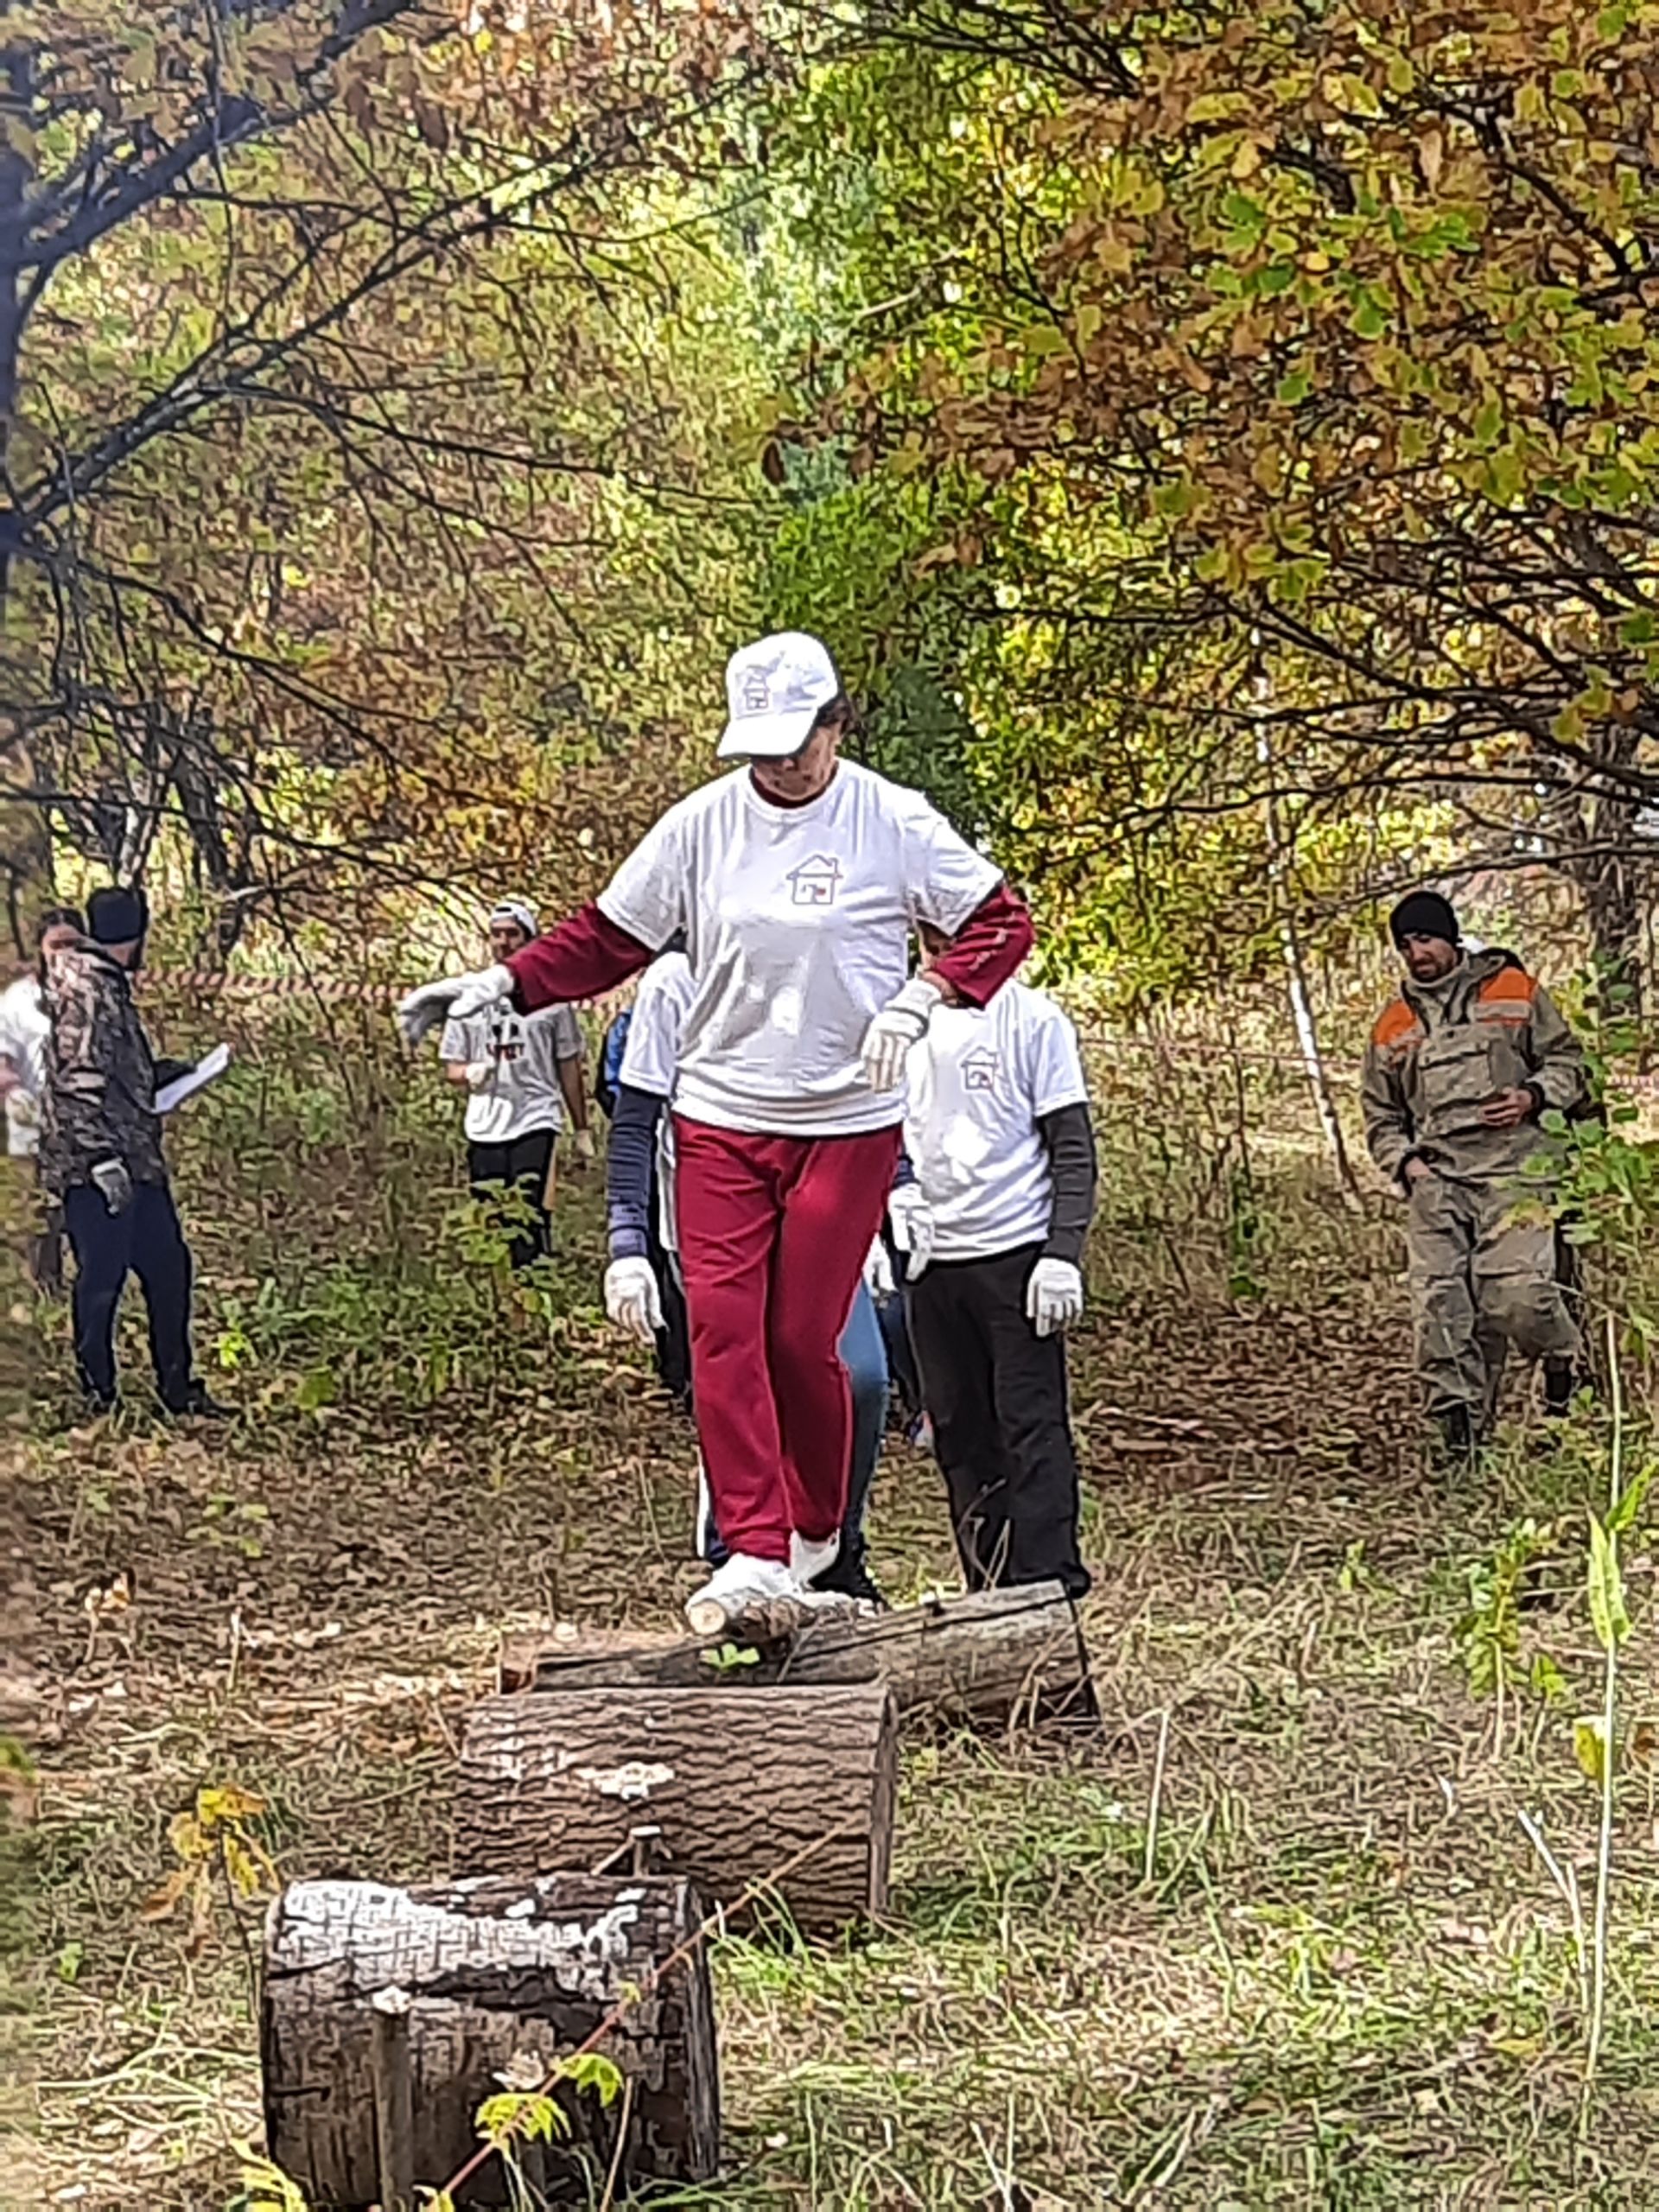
864 1354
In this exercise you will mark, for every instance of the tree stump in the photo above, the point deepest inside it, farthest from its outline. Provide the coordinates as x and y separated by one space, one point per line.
990 1658
464 1981
739 1786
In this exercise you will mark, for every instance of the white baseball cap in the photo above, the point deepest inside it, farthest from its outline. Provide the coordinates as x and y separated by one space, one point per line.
775 690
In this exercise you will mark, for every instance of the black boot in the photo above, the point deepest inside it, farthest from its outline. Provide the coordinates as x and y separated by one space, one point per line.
195 1400
1457 1437
1560 1383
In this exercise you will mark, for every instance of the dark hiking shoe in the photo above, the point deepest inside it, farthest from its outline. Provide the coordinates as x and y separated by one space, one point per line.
850 1578
1560 1385
198 1404
1455 1444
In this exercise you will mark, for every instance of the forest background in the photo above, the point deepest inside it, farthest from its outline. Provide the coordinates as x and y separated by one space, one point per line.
1220 452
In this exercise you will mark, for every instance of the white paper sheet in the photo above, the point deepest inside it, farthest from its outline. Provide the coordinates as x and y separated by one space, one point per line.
197 1079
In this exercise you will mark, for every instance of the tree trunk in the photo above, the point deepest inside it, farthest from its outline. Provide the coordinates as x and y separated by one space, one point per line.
739 1786
494 1973
991 1658
25 833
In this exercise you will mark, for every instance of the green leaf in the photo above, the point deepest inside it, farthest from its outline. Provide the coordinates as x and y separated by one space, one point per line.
1590 1748
1294 387
1624 1515
1639 629
1607 1613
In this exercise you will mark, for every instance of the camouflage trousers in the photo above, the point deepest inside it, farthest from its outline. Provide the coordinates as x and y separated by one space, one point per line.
1482 1280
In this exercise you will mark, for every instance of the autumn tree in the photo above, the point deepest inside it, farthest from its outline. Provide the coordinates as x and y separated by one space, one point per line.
1316 347
351 485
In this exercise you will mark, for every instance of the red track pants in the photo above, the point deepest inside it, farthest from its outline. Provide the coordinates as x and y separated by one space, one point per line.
773 1234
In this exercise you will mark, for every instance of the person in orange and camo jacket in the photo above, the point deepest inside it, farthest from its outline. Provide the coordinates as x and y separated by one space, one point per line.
1459 1068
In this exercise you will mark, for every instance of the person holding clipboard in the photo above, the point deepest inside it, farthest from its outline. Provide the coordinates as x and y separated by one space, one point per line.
102 1160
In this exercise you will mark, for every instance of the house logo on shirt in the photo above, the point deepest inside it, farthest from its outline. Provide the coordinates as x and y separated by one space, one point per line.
815 882
980 1068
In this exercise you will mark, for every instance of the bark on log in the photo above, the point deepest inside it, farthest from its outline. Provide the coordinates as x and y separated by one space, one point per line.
990 1658
737 1786
493 1971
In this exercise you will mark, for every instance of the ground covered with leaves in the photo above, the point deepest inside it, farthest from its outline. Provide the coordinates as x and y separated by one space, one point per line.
1277 1936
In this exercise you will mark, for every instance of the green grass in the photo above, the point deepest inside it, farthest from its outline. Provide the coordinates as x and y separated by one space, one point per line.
1313 1961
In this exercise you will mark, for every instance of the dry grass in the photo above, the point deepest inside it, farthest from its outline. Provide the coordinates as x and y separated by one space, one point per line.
1324 1969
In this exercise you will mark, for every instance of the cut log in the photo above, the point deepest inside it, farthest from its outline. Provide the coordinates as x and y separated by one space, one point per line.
740 1787
387 2009
991 1658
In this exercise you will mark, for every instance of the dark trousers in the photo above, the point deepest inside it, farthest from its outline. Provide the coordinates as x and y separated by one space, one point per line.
521 1165
674 1338
996 1393
146 1241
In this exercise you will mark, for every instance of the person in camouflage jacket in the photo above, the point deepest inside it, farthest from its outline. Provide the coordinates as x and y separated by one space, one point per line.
101 1156
1459 1068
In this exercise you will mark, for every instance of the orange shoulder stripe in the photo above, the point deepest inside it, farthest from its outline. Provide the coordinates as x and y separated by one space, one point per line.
1395 1025
1513 984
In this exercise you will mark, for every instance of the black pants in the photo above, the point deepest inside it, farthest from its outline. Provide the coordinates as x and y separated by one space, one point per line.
524 1163
996 1393
146 1241
674 1338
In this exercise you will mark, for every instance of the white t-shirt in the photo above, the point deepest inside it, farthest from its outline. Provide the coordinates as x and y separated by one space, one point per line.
977 1084
523 1094
651 1061
25 1027
796 923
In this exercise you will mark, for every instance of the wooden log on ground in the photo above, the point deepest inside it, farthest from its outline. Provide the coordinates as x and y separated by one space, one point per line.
990 1658
737 1786
388 2009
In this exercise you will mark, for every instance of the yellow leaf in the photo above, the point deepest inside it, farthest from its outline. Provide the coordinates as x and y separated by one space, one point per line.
1590 1748
216 1808
186 1834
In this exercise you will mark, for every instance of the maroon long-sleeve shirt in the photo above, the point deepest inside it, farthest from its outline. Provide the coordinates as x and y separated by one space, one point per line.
588 954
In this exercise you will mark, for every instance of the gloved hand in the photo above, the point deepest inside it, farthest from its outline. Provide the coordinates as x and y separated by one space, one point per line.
111 1178
1053 1296
632 1300
878 1271
480 1074
452 998
913 1227
900 1024
584 1143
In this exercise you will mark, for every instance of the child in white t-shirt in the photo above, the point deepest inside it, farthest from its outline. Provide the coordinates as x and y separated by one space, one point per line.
997 1128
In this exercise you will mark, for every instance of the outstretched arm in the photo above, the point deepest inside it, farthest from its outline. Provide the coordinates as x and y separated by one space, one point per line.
582 958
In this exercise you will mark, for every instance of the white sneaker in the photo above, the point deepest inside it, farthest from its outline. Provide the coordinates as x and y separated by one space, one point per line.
730 1590
809 1556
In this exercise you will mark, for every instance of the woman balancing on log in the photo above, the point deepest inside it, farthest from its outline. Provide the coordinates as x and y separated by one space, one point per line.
797 880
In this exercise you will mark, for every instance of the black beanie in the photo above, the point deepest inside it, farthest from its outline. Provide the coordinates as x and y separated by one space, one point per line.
1424 913
116 916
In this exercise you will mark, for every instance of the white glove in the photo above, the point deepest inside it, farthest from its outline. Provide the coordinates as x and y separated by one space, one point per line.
878 1271
111 1178
480 1074
913 1227
1053 1296
632 1300
584 1143
900 1024
451 999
